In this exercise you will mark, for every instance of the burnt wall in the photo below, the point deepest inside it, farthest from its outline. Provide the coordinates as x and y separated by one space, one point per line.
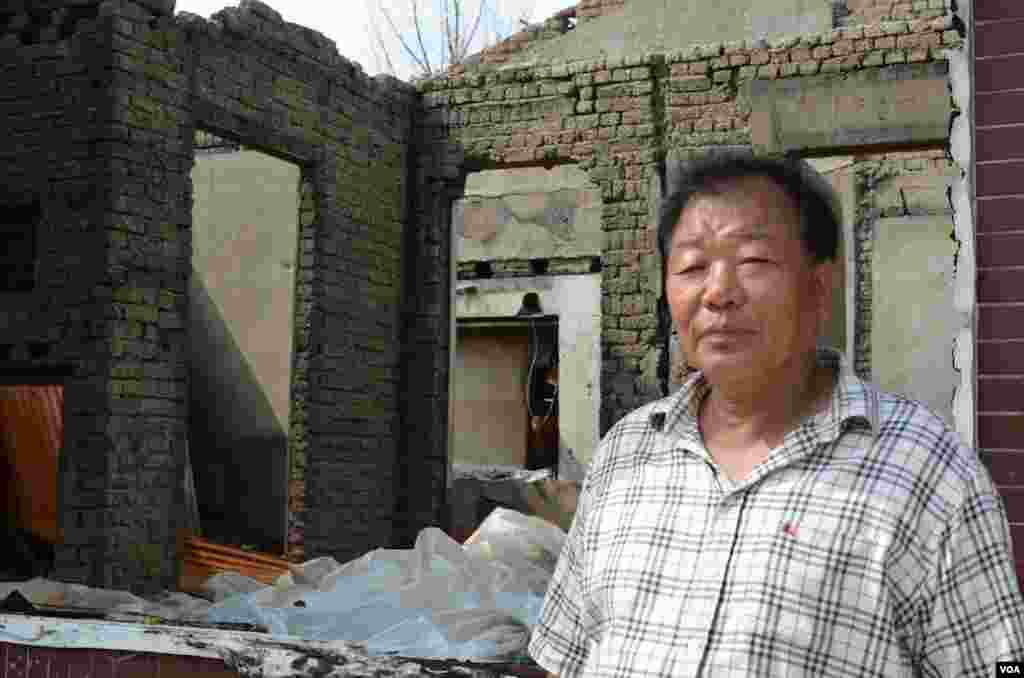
58 311
285 90
99 142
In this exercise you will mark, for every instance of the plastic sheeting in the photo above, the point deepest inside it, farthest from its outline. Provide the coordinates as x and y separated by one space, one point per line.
437 600
118 605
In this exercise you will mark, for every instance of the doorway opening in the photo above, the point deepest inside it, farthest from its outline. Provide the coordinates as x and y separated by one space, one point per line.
505 410
31 438
241 320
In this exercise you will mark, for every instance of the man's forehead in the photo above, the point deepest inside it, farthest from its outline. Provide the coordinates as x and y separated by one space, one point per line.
738 210
695 231
690 231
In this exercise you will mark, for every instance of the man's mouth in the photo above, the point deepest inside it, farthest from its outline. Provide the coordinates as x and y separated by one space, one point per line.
726 332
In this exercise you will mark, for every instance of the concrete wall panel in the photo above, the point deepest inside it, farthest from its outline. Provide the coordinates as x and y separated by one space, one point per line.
489 398
906 103
657 25
914 322
531 213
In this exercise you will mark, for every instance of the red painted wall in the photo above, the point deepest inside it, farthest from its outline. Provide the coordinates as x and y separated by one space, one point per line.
31 435
999 152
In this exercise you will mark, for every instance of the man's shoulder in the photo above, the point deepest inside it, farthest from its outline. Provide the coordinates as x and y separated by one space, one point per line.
911 421
910 434
630 432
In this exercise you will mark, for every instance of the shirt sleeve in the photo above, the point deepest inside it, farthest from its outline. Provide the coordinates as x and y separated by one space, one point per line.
559 643
976 611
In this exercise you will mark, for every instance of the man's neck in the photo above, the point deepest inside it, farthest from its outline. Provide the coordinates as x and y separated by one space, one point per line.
764 414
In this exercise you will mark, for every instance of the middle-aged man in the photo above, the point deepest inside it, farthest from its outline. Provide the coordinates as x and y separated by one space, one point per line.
777 516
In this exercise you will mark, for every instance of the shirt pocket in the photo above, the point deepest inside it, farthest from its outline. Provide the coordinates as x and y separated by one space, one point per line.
827 566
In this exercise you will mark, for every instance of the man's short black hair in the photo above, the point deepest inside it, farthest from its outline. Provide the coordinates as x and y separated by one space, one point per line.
815 200
812 195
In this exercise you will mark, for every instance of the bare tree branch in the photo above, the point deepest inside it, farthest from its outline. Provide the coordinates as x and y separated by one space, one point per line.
459 52
433 46
420 63
473 29
419 35
446 31
379 48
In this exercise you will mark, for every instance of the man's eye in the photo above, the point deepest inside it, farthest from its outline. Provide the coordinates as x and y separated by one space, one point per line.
757 260
690 270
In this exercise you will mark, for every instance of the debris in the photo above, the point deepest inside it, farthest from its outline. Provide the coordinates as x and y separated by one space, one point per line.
201 559
15 602
438 600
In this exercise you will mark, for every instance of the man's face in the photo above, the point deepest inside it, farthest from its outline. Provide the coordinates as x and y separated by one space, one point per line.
745 297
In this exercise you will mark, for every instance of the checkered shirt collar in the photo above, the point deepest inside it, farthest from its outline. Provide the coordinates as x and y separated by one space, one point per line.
852 401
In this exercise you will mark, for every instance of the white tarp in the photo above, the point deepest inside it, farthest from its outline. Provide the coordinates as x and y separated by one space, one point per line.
437 600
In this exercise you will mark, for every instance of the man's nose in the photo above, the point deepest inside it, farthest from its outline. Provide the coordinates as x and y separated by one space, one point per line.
722 288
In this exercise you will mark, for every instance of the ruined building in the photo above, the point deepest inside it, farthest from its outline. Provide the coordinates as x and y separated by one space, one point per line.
448 239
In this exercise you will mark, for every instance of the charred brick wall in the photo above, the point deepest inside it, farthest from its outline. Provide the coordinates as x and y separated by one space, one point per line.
61 297
102 101
284 89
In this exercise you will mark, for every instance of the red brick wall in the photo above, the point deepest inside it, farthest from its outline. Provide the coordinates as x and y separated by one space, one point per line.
592 9
999 153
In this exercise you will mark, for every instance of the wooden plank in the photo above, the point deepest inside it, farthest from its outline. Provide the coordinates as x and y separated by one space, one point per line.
198 545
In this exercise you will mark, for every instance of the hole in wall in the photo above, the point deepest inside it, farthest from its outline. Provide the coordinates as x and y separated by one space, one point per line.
483 269
595 265
538 266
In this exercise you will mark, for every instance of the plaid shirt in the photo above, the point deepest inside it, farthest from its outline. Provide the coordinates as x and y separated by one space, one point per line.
871 543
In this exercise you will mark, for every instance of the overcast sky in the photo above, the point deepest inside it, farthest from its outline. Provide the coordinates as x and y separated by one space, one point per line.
348 22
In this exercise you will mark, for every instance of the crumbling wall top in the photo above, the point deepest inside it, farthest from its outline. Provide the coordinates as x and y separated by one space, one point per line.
260 23
528 70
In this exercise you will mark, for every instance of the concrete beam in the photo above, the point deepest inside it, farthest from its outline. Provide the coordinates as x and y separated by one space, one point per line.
904 104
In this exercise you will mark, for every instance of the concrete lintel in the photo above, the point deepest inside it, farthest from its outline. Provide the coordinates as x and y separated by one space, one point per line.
900 104
492 285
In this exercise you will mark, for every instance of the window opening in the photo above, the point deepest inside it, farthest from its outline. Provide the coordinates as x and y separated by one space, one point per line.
18 247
